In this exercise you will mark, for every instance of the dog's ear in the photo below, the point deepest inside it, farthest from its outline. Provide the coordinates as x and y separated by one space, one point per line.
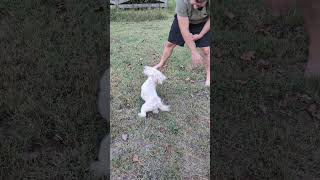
147 70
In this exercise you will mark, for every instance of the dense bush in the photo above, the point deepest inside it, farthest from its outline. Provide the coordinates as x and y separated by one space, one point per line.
137 16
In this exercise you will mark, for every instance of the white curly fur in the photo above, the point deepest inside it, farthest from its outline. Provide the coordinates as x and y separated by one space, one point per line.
149 94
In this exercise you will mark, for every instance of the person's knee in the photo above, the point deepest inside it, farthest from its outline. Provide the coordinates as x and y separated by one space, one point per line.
170 45
206 52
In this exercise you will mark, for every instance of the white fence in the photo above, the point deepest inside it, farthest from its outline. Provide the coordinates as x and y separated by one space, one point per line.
123 4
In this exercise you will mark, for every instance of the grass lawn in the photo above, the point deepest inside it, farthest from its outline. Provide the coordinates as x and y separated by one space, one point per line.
52 55
168 145
265 122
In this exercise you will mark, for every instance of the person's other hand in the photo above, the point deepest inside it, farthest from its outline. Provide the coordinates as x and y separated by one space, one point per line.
196 37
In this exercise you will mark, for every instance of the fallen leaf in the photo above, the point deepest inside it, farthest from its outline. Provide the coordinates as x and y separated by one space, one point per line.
219 53
229 14
248 56
263 30
242 82
312 108
283 103
58 138
124 137
34 146
287 100
149 114
162 130
263 108
192 81
98 9
314 111
135 158
28 156
263 64
304 98
60 4
167 150
187 79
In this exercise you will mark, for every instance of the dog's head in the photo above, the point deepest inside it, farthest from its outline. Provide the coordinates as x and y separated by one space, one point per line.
155 75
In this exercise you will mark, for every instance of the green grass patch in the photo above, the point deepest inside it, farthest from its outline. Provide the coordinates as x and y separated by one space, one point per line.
165 142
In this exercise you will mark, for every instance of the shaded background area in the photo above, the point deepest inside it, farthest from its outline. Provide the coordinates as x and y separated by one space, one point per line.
265 119
52 55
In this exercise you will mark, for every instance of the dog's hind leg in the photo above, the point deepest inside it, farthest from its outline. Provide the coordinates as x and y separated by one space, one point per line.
144 109
143 112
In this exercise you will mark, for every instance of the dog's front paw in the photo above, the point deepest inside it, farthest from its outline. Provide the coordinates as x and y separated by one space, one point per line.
142 114
165 108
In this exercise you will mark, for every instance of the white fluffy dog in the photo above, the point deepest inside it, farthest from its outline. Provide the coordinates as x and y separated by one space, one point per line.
149 94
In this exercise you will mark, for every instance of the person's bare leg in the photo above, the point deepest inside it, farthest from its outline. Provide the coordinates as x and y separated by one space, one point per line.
205 51
168 48
311 13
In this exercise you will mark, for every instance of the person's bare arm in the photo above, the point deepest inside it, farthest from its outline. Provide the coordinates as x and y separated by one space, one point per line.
205 29
184 29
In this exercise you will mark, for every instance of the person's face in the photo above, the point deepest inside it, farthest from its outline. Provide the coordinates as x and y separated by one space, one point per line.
196 5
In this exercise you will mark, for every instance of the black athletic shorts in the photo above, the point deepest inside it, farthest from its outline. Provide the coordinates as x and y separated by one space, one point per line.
175 35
